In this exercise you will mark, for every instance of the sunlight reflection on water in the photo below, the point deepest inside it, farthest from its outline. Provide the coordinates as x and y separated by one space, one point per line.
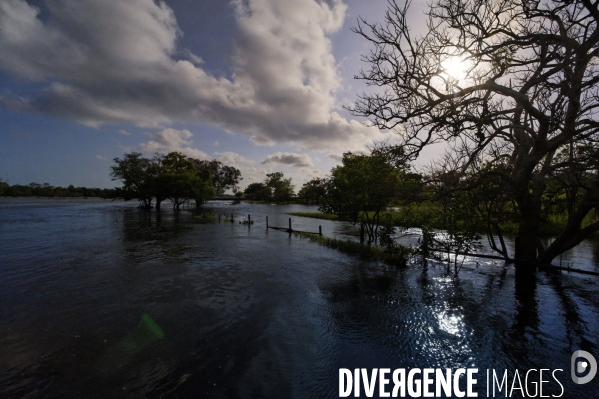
247 312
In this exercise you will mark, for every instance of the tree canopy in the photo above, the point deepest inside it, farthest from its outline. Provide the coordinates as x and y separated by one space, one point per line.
313 191
223 177
274 188
521 112
136 173
172 176
361 188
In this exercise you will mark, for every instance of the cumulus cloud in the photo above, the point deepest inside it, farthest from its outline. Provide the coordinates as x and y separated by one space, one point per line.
115 61
101 158
124 132
288 158
233 159
335 157
170 140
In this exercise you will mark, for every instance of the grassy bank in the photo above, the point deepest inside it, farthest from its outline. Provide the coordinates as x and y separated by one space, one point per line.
314 215
370 252
413 216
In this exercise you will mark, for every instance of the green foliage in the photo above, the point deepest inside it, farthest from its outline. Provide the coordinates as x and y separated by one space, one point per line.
46 190
274 188
257 191
173 176
281 189
314 215
136 173
460 233
180 180
223 177
370 252
361 188
313 191
3 187
206 217
388 241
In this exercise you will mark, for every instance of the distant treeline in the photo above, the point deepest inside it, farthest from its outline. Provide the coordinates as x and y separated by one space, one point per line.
46 190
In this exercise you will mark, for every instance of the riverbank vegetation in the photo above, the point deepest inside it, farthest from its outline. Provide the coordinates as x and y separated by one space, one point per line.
399 257
46 190
424 214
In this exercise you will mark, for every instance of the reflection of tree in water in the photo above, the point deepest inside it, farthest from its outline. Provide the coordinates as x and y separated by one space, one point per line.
529 299
527 312
155 235
595 248
578 331
420 319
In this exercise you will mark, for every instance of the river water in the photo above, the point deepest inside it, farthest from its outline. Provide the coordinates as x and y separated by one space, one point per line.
101 300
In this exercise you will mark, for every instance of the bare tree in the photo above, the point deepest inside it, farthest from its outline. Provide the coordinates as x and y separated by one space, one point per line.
526 98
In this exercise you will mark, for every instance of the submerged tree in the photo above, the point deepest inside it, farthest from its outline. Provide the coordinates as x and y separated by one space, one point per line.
361 188
173 176
136 173
281 189
257 191
274 188
180 181
511 84
223 177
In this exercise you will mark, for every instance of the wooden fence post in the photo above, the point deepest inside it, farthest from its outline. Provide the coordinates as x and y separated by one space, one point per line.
362 233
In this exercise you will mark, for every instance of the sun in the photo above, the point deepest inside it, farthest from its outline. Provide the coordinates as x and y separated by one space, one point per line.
454 67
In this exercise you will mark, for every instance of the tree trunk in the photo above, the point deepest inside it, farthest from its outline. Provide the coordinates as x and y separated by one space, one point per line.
158 201
573 234
527 241
527 310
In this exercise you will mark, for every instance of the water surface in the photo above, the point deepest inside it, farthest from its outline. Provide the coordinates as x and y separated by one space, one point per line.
100 299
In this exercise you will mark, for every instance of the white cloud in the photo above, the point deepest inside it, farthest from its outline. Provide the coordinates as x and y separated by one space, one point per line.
124 132
216 144
101 158
116 61
335 157
170 140
233 159
288 158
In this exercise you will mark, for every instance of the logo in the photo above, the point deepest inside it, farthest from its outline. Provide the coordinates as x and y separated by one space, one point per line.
582 362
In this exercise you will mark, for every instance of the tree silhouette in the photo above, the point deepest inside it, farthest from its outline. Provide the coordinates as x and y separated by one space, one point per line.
526 98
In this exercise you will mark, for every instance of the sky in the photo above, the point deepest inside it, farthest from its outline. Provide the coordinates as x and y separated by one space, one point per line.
256 84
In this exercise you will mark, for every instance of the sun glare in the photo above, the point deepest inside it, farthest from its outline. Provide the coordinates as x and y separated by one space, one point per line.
454 67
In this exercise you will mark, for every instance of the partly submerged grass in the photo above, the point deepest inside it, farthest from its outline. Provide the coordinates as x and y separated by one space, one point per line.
314 215
206 216
417 215
370 252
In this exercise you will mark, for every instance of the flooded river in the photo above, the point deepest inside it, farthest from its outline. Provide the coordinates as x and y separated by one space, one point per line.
102 300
